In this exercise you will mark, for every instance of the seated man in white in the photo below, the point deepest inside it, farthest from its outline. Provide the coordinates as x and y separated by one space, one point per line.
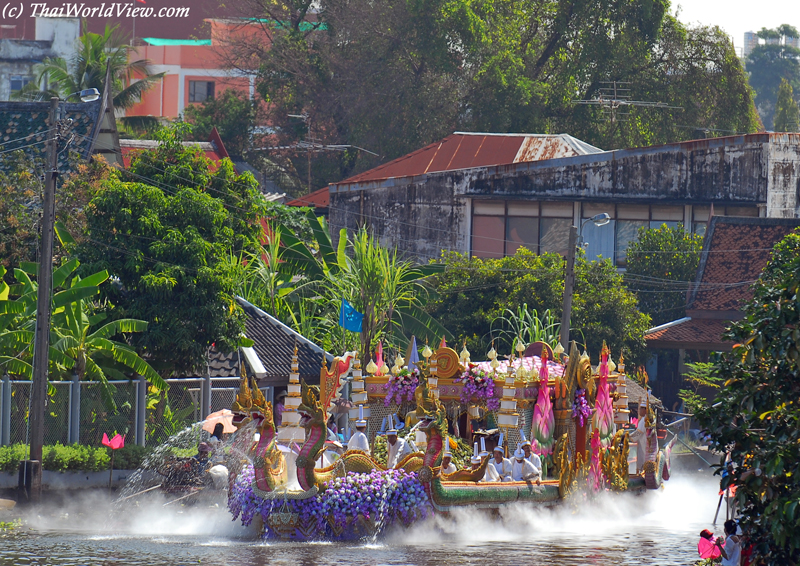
522 469
501 465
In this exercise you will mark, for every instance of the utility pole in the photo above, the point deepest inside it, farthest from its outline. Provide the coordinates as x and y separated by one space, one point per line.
43 303
569 284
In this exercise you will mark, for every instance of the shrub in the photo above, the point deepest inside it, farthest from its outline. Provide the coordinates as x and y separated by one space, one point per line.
74 457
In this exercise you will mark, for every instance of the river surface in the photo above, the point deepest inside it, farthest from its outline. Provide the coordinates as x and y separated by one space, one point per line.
659 527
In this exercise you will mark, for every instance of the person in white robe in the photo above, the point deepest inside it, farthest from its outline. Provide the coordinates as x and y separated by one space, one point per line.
501 465
447 459
639 436
530 456
398 448
522 469
359 440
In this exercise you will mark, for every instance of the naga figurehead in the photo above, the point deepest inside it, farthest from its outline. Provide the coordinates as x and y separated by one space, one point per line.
313 419
242 406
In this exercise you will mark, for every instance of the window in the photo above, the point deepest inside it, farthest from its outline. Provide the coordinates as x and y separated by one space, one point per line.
627 231
522 232
487 236
200 91
18 82
554 235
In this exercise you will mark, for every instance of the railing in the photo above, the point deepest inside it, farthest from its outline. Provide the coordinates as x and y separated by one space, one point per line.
77 412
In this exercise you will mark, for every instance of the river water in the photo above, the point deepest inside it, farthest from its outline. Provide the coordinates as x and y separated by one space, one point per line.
659 527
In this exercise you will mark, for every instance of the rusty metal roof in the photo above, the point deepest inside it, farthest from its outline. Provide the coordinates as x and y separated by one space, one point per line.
465 150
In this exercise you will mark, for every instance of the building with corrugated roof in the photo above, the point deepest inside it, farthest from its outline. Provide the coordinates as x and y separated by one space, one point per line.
488 194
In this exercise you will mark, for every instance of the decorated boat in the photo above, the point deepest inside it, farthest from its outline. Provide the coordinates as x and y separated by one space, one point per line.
293 483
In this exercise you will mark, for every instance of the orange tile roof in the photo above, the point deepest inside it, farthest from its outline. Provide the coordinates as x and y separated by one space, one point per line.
735 252
318 199
691 334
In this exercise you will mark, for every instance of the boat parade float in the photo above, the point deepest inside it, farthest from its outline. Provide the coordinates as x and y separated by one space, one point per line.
293 482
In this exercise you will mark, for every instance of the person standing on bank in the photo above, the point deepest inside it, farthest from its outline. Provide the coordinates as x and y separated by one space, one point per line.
730 548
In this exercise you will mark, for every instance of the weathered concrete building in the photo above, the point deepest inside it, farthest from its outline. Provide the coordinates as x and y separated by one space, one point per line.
488 194
55 37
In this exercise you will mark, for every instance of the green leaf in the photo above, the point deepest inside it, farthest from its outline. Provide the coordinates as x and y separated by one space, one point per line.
15 366
118 326
60 275
29 267
63 235
75 294
137 364
91 280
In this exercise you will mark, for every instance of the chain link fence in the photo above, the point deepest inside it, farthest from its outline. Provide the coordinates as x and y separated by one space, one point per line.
83 411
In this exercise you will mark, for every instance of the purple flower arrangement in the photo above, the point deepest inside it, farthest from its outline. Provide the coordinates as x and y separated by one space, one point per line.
401 386
381 496
580 407
478 383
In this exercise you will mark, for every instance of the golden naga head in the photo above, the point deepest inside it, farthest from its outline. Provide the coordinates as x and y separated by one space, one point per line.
243 404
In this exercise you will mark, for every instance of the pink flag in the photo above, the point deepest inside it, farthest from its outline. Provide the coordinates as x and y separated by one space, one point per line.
707 548
115 443
379 358
443 344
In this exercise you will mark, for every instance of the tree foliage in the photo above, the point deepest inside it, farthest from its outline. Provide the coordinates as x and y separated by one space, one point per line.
392 77
21 194
87 69
162 230
473 292
768 65
80 342
787 114
662 263
232 113
755 417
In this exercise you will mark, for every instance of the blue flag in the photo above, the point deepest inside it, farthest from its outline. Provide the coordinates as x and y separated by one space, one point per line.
413 358
349 318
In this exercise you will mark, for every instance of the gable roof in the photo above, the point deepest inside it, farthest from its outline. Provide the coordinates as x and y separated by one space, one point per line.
318 199
25 126
274 344
735 252
465 150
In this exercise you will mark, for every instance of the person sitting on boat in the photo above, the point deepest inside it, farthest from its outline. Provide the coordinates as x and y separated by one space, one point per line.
530 456
491 473
359 440
398 448
501 464
524 470
200 460
447 459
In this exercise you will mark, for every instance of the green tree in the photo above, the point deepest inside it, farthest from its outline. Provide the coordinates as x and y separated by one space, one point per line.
473 292
87 69
21 193
162 230
79 343
391 293
232 113
662 264
392 76
755 416
769 65
787 114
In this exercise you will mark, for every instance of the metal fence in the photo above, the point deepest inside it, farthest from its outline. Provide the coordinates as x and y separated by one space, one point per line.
81 411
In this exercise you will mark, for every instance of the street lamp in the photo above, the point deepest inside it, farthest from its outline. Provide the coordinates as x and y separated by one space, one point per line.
41 341
569 281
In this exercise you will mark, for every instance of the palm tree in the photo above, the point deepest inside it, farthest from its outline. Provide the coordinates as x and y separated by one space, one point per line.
95 54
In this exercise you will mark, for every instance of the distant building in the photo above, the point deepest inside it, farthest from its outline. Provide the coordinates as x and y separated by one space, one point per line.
735 252
55 37
792 41
750 42
195 71
488 194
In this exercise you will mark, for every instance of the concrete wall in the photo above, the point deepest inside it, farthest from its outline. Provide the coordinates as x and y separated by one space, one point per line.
425 214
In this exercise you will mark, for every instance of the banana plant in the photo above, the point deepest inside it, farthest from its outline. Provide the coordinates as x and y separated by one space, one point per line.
80 341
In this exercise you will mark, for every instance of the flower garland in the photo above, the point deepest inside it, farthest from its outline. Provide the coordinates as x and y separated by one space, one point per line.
478 383
384 496
401 386
580 407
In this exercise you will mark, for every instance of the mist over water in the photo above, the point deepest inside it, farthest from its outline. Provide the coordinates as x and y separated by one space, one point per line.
658 527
